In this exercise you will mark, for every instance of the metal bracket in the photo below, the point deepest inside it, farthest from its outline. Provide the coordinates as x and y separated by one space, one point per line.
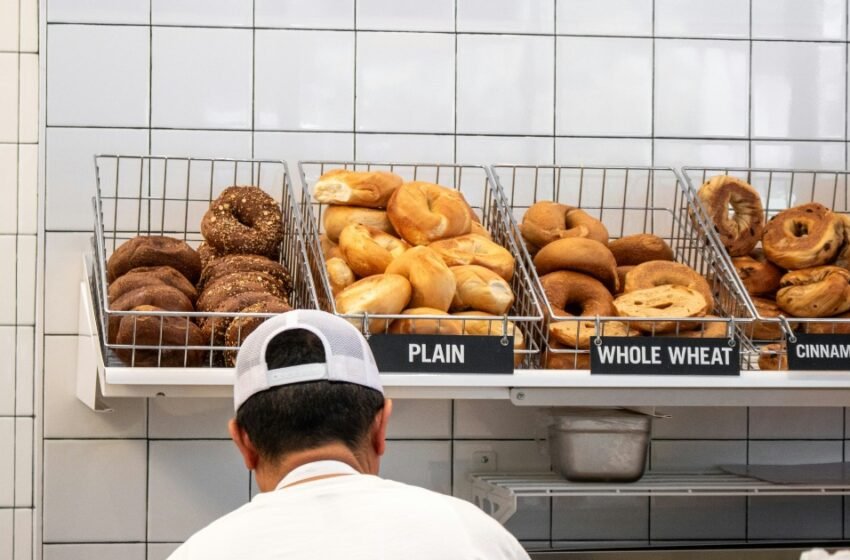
89 386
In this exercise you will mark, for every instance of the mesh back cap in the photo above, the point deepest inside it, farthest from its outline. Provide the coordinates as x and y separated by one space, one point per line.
347 355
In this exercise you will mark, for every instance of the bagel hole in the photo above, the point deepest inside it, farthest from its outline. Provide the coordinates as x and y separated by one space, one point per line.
800 229
573 309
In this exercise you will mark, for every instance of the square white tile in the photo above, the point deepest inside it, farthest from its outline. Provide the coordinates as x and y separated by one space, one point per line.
420 419
816 20
603 151
24 534
65 416
702 18
70 171
28 99
506 16
795 452
313 92
161 551
224 13
7 462
798 90
8 277
9 10
202 143
505 84
696 455
187 86
24 461
593 517
7 370
99 11
391 94
192 483
316 14
109 477
27 188
189 418
796 423
62 275
406 15
698 518
789 518
9 97
604 17
485 419
426 464
9 188
800 155
26 265
505 149
125 551
701 423
7 528
678 153
405 147
593 102
98 76
701 88
25 372
29 25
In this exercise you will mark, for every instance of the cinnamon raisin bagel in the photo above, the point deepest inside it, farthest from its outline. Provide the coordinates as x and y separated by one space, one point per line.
577 294
760 276
412 324
476 249
149 275
424 212
773 357
546 221
229 264
236 283
803 237
158 295
840 326
481 289
432 283
822 291
336 218
340 275
579 255
244 220
241 327
640 248
495 326
371 189
741 230
384 294
659 273
170 335
843 258
155 250
766 330
368 250
673 301
215 328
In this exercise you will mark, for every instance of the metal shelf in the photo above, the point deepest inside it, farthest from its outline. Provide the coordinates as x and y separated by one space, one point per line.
497 494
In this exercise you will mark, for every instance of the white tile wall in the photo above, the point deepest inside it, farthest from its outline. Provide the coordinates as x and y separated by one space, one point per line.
702 18
604 17
506 16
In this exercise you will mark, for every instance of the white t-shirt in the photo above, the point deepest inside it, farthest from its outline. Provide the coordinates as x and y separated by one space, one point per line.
351 517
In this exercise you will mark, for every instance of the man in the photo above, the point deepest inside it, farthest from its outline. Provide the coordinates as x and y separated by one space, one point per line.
311 422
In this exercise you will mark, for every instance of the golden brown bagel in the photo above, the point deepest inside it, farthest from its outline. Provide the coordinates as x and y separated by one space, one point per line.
477 229
822 291
545 222
481 289
664 301
371 189
476 249
659 273
640 248
773 357
369 251
335 218
843 258
766 330
340 275
424 212
329 248
840 326
621 277
760 276
743 229
577 294
382 294
579 255
803 237
431 281
495 326
154 250
171 335
149 275
417 325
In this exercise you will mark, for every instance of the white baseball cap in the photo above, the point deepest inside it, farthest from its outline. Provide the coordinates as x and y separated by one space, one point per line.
348 357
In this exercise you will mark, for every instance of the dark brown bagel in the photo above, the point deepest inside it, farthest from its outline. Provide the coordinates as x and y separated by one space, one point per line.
578 294
158 330
215 328
244 220
207 253
241 327
579 254
740 232
230 264
803 237
760 276
640 248
546 221
154 251
150 275
236 283
161 296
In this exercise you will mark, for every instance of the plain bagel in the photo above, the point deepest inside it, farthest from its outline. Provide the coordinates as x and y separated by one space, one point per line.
432 283
368 250
424 212
481 289
371 189
493 325
381 294
476 249
413 324
335 218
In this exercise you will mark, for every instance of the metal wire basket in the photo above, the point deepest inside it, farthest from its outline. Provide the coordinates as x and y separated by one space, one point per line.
159 195
477 187
628 200
780 189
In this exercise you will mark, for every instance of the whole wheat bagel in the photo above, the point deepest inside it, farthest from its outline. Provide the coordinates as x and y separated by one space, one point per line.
481 289
371 189
368 250
476 249
743 229
577 294
803 237
579 255
432 283
384 294
659 273
424 212
546 221
673 301
640 248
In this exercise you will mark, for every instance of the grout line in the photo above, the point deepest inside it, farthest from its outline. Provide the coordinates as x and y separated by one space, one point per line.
750 92
454 107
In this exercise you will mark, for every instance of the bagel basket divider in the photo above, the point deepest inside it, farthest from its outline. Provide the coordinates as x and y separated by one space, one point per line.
628 200
475 183
779 189
168 196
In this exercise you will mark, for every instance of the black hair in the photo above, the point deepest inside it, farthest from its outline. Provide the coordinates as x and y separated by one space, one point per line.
303 416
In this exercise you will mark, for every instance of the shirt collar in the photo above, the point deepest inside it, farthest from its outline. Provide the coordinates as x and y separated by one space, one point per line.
313 470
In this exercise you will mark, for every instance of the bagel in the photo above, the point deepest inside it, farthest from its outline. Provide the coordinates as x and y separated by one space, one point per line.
207 254
546 221
803 237
577 333
766 330
236 283
843 258
481 289
476 249
369 251
335 218
329 248
708 329
156 250
215 328
639 248
741 231
230 264
431 281
381 294
417 325
244 220
577 294
423 212
161 296
621 276
496 326
569 359
162 331
822 291
579 255
840 326
477 228
673 301
241 327
659 273
340 275
371 189
150 275
760 276
773 357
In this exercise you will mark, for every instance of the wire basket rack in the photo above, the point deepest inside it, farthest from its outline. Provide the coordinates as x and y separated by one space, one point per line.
628 200
780 189
477 187
161 195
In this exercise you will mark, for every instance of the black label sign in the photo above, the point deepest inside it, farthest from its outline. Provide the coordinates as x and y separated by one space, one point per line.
665 356
436 353
819 352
